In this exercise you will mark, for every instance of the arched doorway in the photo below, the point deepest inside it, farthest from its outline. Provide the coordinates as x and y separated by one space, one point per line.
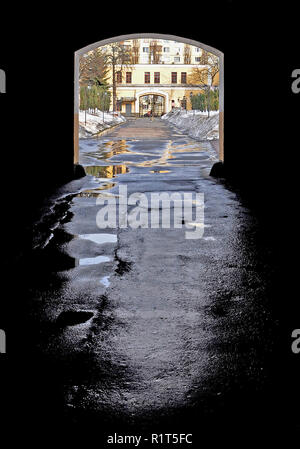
104 42
150 95
151 102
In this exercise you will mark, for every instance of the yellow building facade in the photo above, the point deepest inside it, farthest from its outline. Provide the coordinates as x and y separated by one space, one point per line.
160 80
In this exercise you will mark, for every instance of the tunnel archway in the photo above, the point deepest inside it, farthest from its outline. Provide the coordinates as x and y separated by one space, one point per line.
111 40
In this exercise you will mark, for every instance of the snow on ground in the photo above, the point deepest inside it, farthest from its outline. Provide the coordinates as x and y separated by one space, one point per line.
97 122
195 123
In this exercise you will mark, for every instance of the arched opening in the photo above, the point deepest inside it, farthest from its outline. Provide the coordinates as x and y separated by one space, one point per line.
125 104
152 103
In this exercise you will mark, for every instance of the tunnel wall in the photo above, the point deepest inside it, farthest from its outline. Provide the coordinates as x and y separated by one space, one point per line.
37 110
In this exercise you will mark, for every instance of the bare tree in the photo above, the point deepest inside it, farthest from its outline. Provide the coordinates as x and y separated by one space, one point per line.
204 57
154 52
187 54
206 75
93 68
135 51
117 57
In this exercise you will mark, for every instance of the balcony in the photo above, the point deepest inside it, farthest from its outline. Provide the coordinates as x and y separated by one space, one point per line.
126 99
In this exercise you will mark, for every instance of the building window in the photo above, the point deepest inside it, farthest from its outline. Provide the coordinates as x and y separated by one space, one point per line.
145 49
174 77
197 59
147 77
166 49
183 77
128 77
119 77
177 59
157 77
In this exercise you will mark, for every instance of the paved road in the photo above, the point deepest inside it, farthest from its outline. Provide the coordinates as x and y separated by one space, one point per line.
144 326
142 129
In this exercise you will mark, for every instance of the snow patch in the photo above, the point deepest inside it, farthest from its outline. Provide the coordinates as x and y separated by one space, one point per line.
92 124
195 123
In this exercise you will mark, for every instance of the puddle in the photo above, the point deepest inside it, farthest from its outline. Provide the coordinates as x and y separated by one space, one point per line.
96 191
105 281
102 173
115 147
109 149
188 148
106 171
99 238
93 260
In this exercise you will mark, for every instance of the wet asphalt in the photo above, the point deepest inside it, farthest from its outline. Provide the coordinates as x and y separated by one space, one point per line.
144 330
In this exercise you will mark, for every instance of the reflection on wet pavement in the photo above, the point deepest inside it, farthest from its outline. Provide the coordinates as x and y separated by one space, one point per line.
105 150
97 190
169 313
108 171
93 260
105 281
99 238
